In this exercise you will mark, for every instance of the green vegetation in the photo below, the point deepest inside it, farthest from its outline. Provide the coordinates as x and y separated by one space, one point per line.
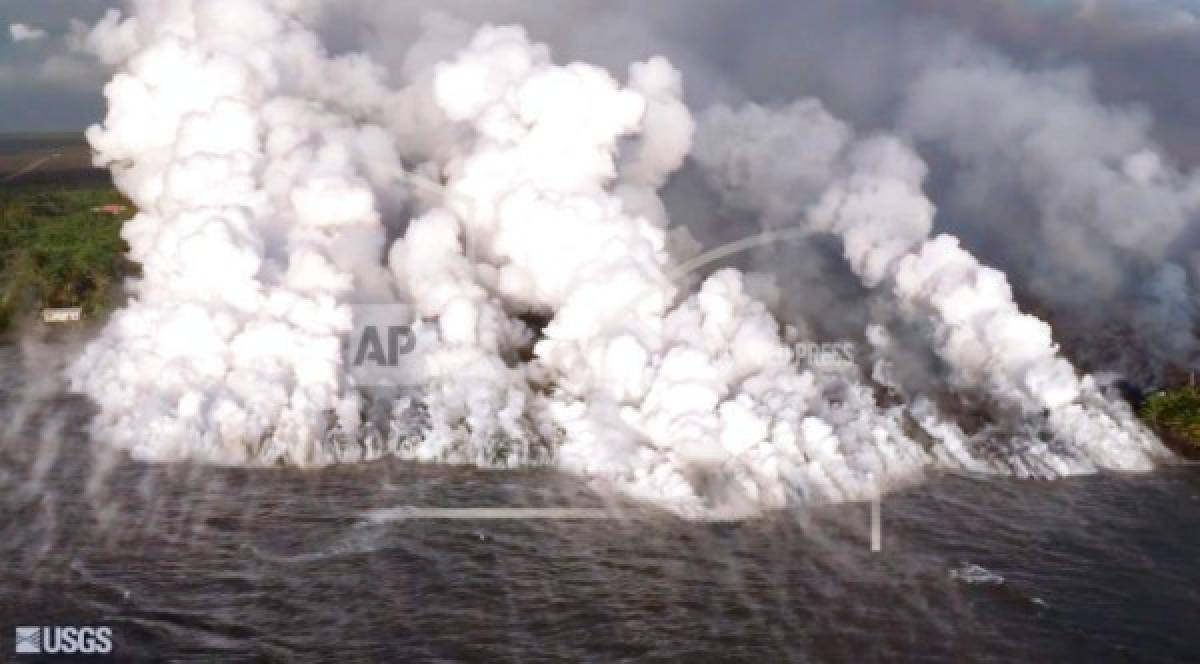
58 250
1175 414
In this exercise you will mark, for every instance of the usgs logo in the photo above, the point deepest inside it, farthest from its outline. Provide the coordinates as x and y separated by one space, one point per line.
64 640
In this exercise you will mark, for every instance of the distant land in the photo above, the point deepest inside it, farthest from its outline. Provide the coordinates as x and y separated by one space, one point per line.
35 152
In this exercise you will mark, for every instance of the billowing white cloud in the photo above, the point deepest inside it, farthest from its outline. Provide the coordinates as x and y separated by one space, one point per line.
259 163
21 32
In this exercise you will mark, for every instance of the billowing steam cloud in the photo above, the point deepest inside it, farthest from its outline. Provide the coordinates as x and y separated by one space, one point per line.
1036 154
268 175
875 205
697 404
257 225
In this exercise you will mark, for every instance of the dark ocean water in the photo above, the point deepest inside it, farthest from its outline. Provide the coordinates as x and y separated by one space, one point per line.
211 564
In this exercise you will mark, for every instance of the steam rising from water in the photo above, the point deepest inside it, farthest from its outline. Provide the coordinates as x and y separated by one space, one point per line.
268 174
876 207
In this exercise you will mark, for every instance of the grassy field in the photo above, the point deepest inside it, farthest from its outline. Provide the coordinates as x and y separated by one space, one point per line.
1175 415
58 250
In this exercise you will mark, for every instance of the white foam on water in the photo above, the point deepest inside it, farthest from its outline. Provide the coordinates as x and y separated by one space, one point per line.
973 574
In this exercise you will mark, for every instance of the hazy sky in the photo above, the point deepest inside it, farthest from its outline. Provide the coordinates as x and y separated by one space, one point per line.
1140 50
43 85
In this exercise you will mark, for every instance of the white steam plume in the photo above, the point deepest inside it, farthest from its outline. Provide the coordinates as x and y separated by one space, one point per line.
552 327
874 203
256 225
697 405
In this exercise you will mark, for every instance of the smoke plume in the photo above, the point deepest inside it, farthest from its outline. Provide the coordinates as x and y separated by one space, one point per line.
274 182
